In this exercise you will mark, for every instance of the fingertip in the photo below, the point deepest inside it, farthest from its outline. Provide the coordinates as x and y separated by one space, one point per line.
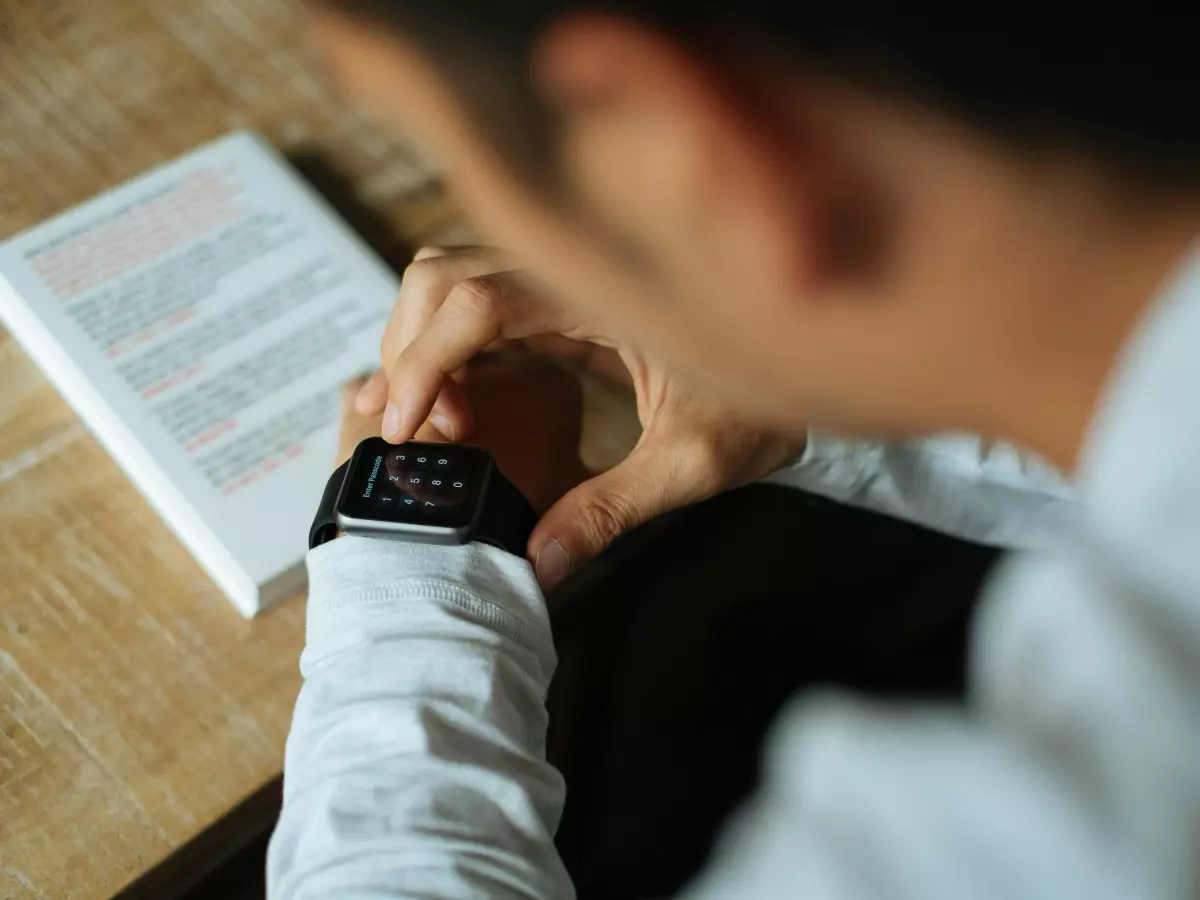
555 547
390 427
362 403
404 418
551 564
451 413
372 394
445 427
428 434
351 389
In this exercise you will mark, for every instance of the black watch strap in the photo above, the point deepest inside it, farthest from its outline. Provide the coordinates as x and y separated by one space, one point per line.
506 520
324 527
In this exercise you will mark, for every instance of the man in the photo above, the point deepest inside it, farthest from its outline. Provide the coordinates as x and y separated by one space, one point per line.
809 222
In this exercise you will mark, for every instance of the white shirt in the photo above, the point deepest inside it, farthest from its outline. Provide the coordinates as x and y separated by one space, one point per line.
416 767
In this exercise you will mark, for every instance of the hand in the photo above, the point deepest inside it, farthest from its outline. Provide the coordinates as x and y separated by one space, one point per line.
456 303
528 415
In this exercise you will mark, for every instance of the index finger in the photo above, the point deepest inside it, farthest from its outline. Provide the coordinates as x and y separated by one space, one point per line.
478 312
427 281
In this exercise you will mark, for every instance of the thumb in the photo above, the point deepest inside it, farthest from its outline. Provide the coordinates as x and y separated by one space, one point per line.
646 484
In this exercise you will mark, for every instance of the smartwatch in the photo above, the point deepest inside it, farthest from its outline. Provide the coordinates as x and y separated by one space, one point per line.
423 493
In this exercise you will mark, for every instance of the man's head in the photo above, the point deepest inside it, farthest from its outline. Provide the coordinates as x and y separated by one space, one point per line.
867 224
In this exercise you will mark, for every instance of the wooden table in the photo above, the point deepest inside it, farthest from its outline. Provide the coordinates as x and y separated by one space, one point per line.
137 708
142 720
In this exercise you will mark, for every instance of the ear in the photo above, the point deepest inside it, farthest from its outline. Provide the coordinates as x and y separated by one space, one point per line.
693 154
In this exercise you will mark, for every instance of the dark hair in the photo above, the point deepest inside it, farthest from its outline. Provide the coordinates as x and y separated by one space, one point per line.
1119 91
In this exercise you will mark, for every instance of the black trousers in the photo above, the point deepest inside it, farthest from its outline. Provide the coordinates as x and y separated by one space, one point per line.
680 645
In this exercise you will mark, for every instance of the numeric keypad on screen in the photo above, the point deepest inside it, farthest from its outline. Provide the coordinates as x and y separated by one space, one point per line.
429 480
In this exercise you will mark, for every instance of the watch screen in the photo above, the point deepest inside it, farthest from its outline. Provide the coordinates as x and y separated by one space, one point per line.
415 483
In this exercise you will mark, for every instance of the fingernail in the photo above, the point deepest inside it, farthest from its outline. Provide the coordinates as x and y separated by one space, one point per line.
391 420
444 425
551 564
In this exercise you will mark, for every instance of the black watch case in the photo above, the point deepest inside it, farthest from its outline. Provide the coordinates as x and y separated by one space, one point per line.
427 493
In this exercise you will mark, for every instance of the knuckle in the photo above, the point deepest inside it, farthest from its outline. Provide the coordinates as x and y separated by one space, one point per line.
424 275
606 517
429 251
479 297
707 461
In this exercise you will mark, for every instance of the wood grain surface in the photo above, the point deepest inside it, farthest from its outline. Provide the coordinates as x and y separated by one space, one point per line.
136 706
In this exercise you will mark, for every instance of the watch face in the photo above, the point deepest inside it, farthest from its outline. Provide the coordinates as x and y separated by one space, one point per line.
432 486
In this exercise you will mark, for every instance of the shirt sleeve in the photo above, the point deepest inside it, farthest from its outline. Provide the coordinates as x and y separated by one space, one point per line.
990 493
415 765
